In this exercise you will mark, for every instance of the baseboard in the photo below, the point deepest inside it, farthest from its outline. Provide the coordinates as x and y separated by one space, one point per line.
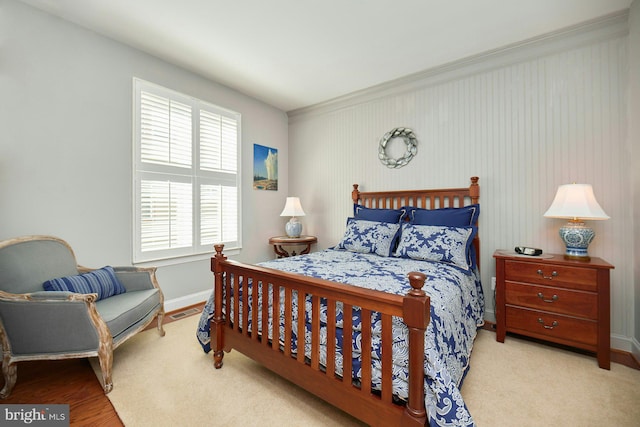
489 315
621 343
186 301
635 349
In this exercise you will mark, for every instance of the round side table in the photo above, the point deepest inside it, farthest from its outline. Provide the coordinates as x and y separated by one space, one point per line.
280 241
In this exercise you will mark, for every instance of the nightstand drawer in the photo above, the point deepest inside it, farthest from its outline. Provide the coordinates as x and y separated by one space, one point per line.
551 275
556 300
553 327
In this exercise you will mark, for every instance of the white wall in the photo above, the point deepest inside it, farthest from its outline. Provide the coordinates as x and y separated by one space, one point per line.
66 143
524 119
634 143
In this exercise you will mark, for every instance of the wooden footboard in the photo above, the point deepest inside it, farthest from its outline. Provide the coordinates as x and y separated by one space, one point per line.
375 407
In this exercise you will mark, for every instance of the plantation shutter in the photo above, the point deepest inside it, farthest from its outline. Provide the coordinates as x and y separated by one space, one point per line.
218 153
165 131
187 181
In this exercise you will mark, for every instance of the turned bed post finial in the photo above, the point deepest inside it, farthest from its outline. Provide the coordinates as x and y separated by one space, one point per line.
416 280
474 189
219 256
355 194
218 248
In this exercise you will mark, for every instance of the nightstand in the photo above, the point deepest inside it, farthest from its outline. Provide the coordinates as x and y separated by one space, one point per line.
280 241
553 299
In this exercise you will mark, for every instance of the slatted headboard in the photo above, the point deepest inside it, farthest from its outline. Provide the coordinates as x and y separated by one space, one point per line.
425 199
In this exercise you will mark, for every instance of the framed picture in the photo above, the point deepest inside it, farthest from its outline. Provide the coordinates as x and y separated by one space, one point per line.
265 168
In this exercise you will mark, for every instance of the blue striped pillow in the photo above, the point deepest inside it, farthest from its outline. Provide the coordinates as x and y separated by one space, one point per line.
102 282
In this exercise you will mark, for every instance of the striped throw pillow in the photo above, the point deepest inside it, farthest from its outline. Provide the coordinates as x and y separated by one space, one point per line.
102 282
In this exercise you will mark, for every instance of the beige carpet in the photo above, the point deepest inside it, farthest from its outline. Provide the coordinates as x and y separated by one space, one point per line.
170 381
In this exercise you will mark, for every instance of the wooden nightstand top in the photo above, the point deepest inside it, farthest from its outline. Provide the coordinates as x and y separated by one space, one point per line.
547 258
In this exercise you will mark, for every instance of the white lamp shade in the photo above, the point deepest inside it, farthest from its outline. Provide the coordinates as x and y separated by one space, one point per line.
575 201
292 207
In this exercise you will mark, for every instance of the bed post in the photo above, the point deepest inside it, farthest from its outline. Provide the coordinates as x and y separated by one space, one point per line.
355 194
218 322
474 190
474 193
416 308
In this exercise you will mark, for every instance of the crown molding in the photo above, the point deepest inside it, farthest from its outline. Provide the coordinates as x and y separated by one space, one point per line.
604 28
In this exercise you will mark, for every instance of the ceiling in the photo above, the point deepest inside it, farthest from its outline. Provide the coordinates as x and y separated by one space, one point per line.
296 53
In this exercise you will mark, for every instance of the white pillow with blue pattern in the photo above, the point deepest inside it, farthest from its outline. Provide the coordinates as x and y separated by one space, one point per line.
437 243
365 236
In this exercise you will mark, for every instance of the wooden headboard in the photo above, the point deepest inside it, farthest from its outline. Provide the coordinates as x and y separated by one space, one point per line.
425 199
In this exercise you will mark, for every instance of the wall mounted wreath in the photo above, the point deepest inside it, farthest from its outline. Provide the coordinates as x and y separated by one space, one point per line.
410 141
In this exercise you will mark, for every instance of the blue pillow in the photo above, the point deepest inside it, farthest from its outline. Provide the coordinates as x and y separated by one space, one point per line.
452 217
370 237
437 243
379 215
102 282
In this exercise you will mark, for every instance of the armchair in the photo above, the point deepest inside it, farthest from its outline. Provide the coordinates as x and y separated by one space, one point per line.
39 324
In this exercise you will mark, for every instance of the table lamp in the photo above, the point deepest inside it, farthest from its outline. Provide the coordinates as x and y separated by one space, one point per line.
576 202
293 208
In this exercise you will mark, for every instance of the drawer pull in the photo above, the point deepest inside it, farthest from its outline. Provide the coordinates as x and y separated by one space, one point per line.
553 298
553 325
553 274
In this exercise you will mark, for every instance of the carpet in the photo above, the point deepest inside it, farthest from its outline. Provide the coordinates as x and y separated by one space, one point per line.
168 381
524 383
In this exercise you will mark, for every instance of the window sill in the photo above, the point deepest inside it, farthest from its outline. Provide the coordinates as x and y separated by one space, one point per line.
163 262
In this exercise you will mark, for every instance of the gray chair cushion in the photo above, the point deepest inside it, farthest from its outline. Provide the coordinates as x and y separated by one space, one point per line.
38 327
121 312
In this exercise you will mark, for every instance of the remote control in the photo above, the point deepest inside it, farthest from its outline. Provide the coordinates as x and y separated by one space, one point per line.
524 250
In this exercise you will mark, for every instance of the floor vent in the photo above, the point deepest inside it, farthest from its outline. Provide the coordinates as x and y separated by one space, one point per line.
181 314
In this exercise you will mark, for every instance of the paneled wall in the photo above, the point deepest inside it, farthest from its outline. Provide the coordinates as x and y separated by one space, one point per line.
525 119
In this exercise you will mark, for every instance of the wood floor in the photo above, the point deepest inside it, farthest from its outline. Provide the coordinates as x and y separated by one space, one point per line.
71 382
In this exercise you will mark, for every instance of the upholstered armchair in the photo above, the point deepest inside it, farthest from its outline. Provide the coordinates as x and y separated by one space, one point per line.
52 308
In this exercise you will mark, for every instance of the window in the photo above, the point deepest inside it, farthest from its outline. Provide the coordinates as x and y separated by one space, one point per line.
186 177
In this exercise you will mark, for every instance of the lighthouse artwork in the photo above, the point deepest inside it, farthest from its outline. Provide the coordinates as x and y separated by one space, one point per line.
265 168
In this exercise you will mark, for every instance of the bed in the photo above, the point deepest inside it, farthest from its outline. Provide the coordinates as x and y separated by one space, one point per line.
407 272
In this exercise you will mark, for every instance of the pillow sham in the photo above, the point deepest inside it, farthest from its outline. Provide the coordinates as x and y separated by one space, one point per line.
437 243
102 282
365 236
452 217
379 215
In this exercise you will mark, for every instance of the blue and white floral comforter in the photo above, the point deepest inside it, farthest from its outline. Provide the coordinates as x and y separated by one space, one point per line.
457 308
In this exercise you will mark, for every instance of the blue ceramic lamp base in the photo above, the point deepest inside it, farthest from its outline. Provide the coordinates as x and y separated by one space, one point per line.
293 227
576 237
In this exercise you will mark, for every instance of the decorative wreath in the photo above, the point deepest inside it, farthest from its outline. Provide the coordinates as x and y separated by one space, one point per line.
410 141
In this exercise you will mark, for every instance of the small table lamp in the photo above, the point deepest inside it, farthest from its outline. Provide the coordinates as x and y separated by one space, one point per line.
576 202
293 208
